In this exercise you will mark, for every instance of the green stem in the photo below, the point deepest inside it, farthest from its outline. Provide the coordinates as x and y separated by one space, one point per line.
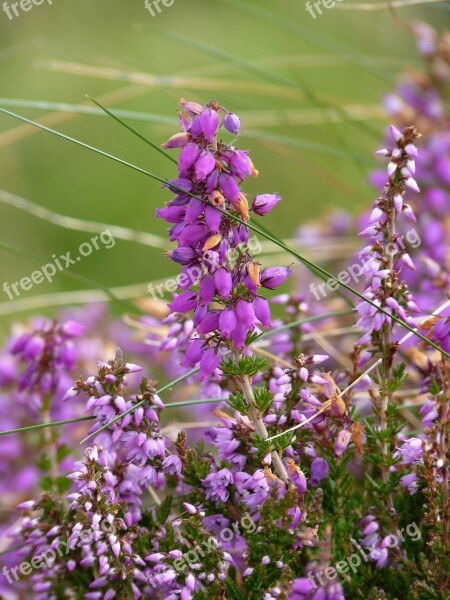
256 418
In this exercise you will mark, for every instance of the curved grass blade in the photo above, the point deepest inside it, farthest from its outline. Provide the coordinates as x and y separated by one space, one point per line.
308 145
175 81
118 114
86 110
307 116
313 37
84 419
260 71
189 402
339 293
73 297
247 224
123 233
144 139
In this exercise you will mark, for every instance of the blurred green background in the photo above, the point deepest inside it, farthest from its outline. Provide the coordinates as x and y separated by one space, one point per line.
308 91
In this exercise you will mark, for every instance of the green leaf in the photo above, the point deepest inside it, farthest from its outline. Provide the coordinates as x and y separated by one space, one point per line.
62 452
164 509
233 592
63 484
398 377
247 365
238 402
263 399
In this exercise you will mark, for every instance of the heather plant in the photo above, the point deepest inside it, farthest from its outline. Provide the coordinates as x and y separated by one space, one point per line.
312 479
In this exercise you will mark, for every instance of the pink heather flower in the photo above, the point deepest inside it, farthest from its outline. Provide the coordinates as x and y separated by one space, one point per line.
209 122
264 203
342 441
319 470
411 482
272 277
232 123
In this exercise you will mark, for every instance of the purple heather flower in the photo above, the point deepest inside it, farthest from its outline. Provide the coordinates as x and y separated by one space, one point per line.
232 123
272 277
188 156
209 362
223 282
184 302
179 140
204 166
228 322
319 470
411 482
209 122
262 311
342 441
216 485
229 187
264 203
245 313
411 451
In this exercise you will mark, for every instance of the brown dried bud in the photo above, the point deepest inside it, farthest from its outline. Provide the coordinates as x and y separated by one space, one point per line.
357 429
216 198
338 407
420 359
212 242
253 272
253 171
242 207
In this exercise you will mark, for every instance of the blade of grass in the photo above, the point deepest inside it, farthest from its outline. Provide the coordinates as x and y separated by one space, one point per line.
268 75
68 274
55 118
306 116
303 144
83 109
339 293
73 297
388 5
186 402
84 419
175 81
144 139
315 268
123 233
313 37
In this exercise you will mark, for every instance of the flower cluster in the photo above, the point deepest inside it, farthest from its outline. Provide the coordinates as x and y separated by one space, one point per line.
46 352
420 98
208 215
386 257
